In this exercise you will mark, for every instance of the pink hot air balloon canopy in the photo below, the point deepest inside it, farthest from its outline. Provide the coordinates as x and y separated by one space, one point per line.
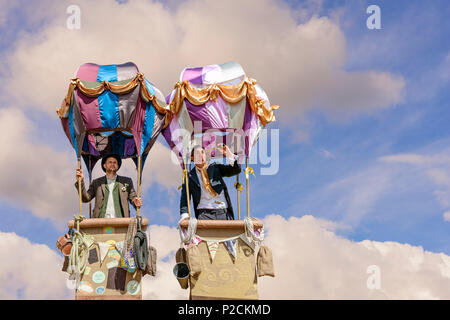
112 109
221 103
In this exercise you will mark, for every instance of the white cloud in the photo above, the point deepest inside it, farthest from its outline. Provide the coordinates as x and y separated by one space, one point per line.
386 181
30 271
7 6
377 191
308 59
34 176
416 159
164 285
405 158
354 196
446 216
311 262
444 68
434 166
327 154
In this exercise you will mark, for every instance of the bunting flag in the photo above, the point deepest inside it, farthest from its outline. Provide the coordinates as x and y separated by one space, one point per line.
104 248
248 241
119 246
213 246
231 246
194 241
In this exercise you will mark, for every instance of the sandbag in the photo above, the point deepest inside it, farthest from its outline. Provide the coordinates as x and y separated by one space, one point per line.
180 255
264 262
151 262
194 260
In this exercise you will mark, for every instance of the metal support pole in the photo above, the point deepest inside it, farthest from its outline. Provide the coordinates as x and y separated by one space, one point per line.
138 209
186 177
79 189
247 185
238 191
90 181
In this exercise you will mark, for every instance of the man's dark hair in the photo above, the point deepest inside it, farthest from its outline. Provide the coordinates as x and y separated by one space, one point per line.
195 148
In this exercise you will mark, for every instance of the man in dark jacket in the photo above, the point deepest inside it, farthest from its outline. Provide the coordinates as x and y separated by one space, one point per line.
112 192
207 188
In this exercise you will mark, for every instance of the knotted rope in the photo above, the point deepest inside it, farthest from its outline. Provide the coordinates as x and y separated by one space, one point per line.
250 231
187 236
79 253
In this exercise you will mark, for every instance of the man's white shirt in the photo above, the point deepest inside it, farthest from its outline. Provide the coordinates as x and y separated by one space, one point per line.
207 201
110 210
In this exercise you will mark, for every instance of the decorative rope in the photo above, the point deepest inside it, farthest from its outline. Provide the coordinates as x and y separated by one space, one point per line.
247 171
239 187
250 231
129 238
79 253
187 236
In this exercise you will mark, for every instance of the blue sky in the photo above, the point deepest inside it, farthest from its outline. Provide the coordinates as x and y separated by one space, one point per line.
342 154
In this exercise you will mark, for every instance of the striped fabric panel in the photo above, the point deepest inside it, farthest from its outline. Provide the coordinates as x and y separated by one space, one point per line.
91 144
89 110
65 125
108 102
193 75
138 122
107 73
149 119
108 105
211 115
126 71
78 124
88 72
127 104
236 114
211 74
72 130
251 128
157 126
218 114
227 73
232 73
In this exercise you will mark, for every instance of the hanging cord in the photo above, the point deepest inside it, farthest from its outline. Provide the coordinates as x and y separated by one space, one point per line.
79 253
80 202
239 187
191 230
250 231
140 246
129 238
90 181
138 209
188 195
